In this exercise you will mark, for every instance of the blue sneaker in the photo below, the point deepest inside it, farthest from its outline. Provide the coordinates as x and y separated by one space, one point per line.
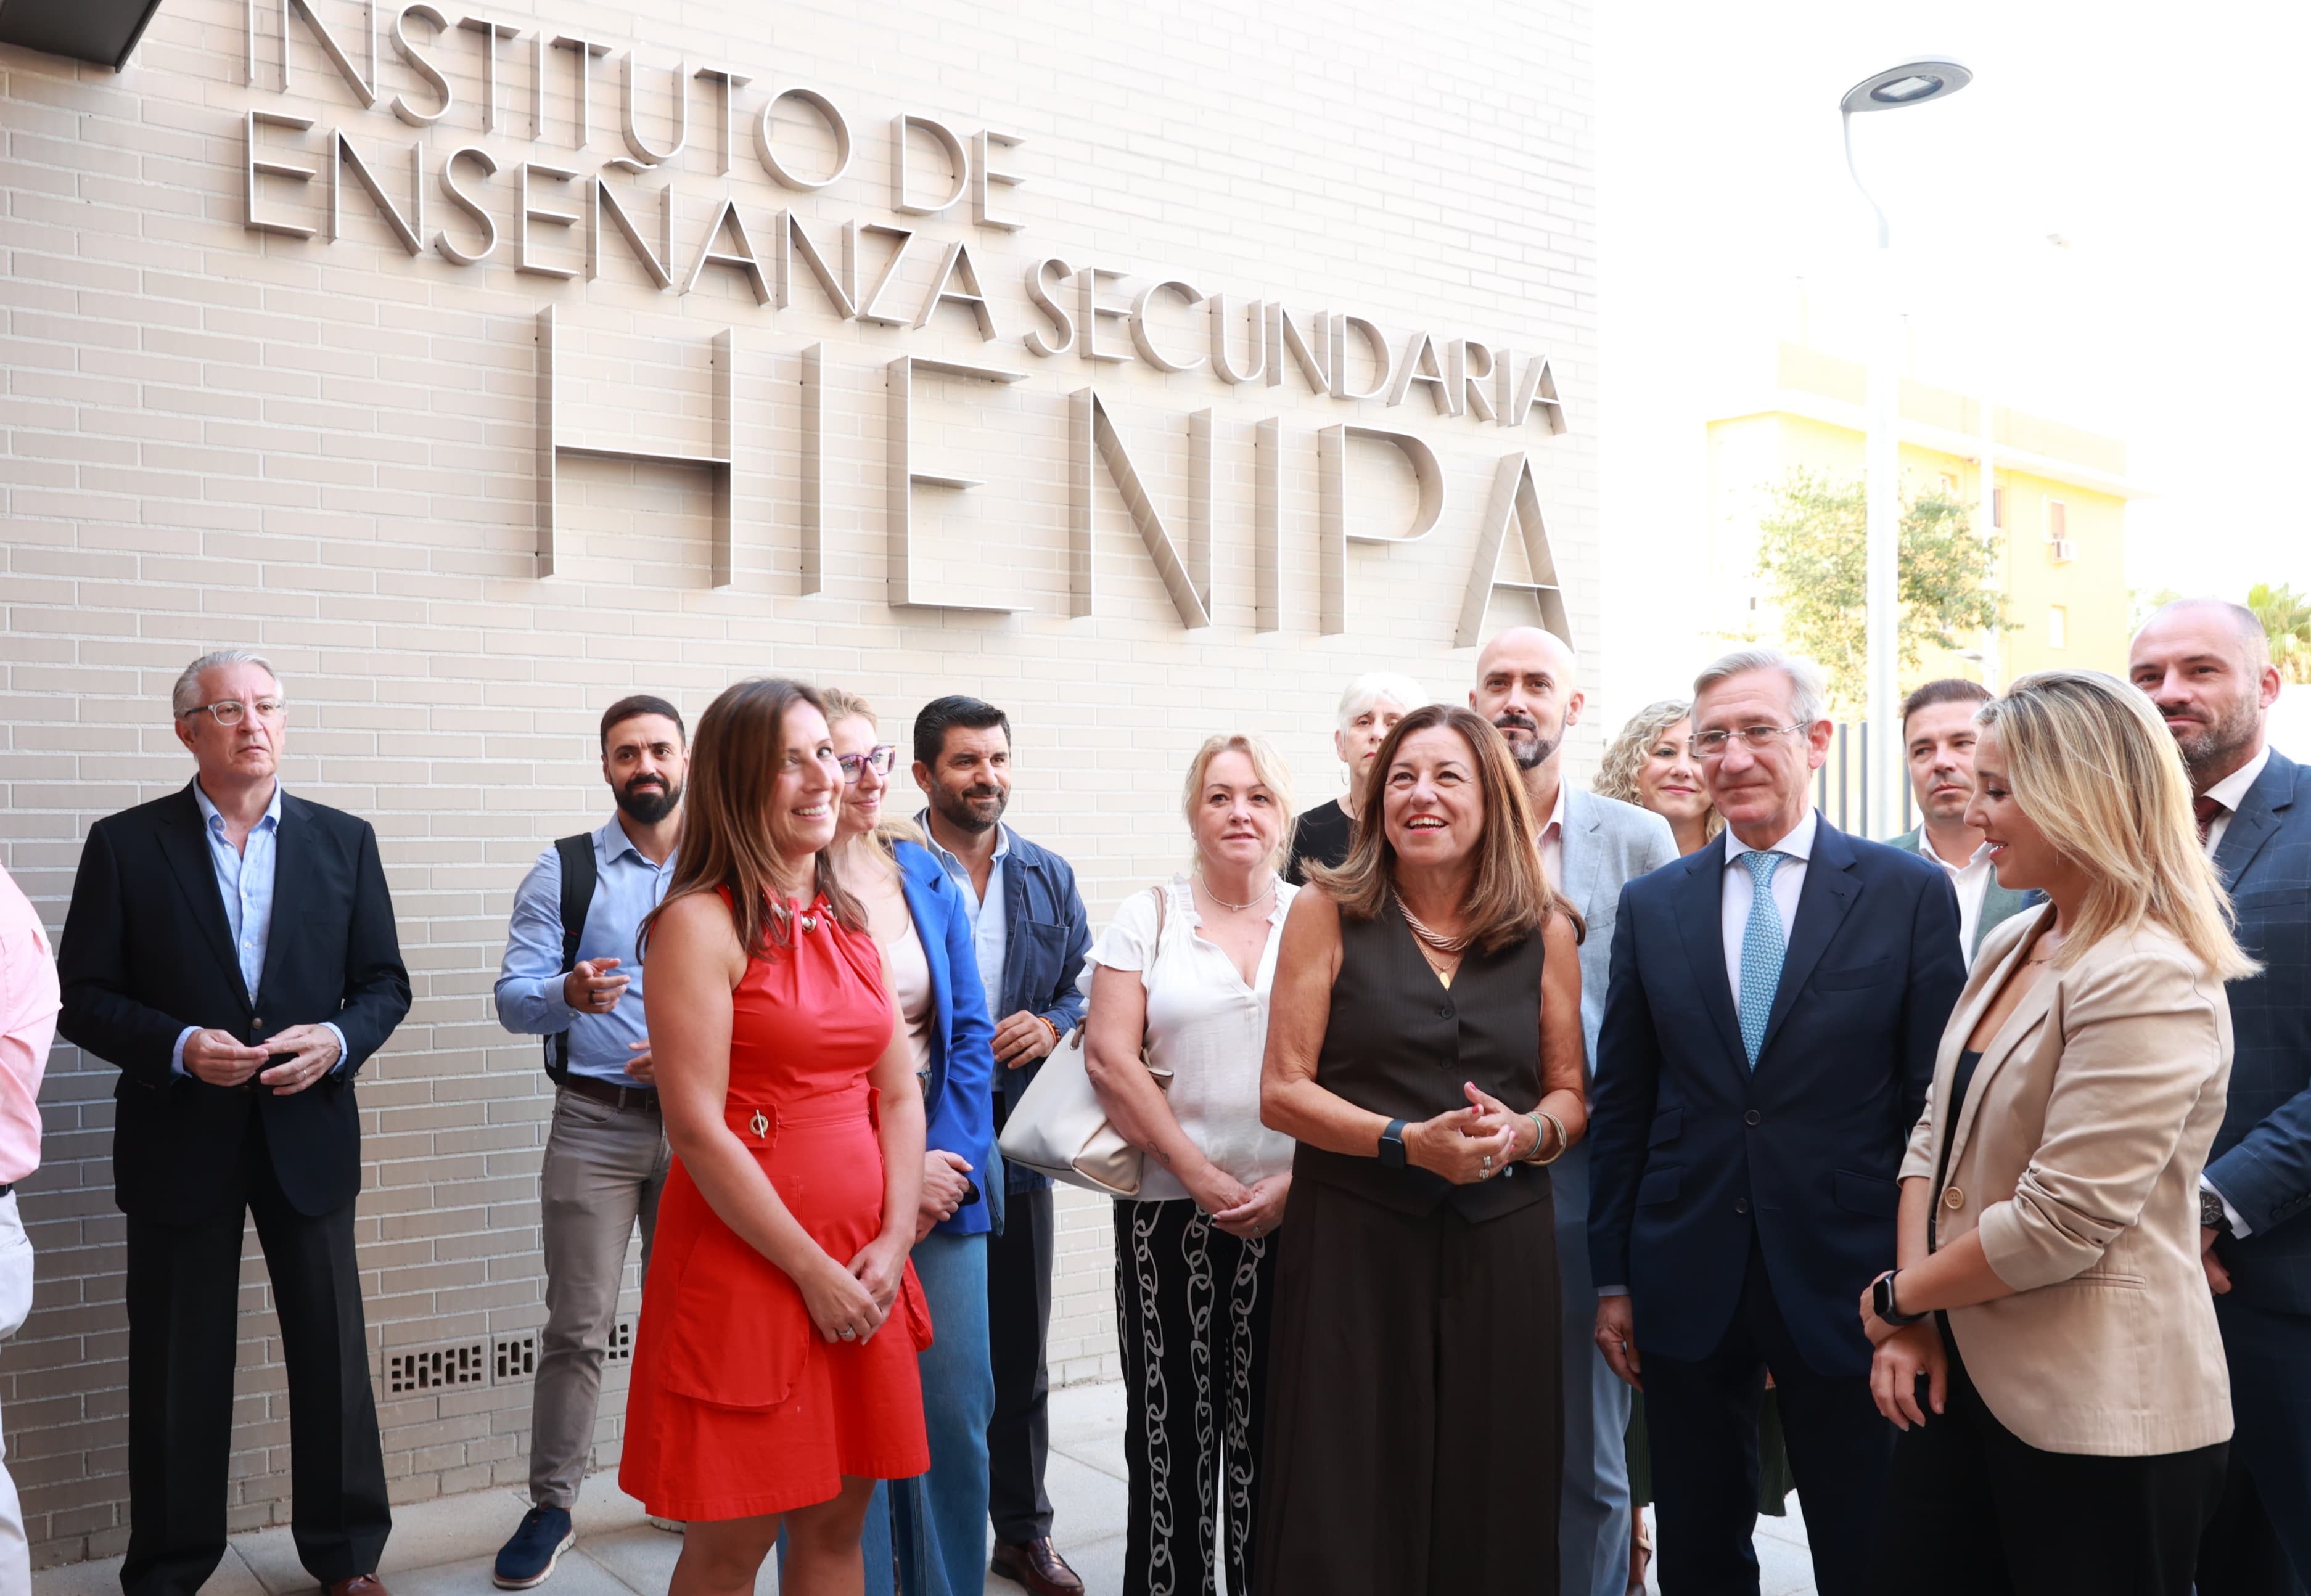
528 1558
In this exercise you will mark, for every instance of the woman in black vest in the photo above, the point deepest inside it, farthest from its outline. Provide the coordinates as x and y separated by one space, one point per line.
1424 1048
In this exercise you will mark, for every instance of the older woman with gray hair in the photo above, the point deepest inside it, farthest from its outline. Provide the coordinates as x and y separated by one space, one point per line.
1177 1029
1369 710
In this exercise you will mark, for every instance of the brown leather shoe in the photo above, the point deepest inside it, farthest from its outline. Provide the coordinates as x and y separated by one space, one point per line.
361 1584
1034 1564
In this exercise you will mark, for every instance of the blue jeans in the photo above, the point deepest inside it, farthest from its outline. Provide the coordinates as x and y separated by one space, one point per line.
940 1518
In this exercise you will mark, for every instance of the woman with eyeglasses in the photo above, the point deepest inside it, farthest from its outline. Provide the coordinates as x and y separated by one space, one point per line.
917 916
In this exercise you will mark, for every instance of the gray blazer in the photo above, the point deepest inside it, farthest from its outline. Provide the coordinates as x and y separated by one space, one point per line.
1999 904
1608 844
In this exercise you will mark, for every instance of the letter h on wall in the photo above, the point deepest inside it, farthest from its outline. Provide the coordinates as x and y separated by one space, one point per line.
716 459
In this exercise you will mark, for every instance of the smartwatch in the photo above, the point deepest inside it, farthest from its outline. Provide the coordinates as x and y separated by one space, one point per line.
1881 1302
1392 1145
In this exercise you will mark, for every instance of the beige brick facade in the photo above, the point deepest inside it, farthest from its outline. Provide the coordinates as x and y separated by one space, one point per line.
328 450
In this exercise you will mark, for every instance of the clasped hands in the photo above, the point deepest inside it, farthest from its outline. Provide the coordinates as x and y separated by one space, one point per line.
1472 1144
1903 1353
222 1059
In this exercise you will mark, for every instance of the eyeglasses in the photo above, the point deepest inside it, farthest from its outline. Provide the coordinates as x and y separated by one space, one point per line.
229 712
1712 744
880 758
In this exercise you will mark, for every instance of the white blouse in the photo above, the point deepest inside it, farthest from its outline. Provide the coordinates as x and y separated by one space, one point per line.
1208 1028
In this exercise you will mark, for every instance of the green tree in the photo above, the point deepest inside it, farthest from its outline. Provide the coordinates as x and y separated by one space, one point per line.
2286 617
1812 549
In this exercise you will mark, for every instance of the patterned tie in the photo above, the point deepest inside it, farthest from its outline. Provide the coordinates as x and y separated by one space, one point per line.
1762 951
2206 808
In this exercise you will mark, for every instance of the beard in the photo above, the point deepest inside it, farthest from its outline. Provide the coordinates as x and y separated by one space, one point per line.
2212 748
1527 744
648 799
975 809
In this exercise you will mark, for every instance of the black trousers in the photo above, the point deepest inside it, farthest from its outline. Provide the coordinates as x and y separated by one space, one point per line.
1018 1326
1701 1421
2260 1541
1192 1305
1973 1507
184 1310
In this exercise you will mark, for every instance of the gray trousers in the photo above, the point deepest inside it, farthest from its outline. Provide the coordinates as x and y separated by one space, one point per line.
604 1168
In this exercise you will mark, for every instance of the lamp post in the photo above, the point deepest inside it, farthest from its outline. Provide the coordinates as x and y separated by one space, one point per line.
1908 84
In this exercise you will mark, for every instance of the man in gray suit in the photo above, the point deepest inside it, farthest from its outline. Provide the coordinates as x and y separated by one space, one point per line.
1591 847
1938 733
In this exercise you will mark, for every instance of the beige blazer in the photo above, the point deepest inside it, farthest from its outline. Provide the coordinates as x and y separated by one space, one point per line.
2077 1157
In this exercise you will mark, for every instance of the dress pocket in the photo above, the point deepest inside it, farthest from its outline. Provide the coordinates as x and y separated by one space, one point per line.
917 1308
740 1330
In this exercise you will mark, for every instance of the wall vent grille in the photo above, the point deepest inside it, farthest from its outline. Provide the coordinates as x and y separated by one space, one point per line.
437 1368
514 1357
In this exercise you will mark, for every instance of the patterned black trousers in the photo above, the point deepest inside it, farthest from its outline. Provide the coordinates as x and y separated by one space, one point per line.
1191 1314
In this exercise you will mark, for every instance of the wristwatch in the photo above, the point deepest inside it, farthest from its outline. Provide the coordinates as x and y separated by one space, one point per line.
2210 1211
1392 1145
1881 1302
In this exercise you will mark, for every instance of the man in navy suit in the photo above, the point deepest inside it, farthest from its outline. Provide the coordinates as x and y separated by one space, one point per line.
1770 1029
2207 666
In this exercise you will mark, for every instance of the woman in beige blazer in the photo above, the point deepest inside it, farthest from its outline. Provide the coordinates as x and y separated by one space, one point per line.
2075 1414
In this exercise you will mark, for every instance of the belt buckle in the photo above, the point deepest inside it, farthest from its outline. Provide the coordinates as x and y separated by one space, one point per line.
759 1125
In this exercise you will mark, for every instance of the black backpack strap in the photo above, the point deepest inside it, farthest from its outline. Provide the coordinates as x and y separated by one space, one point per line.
578 879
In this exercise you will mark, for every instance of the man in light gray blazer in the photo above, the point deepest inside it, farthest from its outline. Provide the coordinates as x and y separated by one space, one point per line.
1938 733
1591 847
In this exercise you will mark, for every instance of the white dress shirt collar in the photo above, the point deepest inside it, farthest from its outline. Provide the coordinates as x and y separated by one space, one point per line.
2232 790
1797 844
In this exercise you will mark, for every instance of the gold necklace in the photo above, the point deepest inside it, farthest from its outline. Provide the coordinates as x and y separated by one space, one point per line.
1237 908
1448 945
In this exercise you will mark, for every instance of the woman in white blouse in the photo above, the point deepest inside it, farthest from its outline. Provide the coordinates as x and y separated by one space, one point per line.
1183 973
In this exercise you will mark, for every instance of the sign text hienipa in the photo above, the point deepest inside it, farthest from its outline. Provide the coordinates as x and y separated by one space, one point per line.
552 219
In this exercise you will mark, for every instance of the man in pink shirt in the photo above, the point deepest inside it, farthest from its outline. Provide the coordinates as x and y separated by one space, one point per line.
28 1024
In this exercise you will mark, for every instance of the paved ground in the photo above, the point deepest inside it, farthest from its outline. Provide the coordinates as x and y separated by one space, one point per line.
444 1548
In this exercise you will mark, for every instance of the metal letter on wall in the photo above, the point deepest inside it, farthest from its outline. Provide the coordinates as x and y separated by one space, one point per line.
1187 577
1333 495
716 460
1514 498
901 478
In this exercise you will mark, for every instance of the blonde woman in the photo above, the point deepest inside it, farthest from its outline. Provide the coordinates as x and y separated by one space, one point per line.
2048 1346
1651 764
1184 970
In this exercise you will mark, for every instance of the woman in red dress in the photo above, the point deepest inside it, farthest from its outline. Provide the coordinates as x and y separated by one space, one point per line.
774 1375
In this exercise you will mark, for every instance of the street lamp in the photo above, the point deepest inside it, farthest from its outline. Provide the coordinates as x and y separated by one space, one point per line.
1904 84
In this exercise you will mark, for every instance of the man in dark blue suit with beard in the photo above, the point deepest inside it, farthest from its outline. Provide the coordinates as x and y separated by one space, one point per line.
2207 666
1770 1030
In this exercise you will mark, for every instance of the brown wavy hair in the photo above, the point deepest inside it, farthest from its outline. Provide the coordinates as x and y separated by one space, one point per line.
727 842
1511 898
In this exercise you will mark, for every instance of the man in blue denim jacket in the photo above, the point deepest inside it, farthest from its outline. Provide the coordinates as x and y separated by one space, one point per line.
1030 933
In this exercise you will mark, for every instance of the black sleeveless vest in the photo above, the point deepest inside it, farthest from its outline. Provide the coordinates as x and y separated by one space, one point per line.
1399 1042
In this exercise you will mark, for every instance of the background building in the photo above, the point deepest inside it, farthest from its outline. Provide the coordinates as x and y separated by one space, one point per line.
481 371
2057 506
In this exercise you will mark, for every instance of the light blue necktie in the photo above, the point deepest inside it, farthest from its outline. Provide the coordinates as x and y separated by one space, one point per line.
1762 950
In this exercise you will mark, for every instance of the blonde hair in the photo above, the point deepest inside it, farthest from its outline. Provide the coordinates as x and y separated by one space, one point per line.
1266 769
1626 753
2097 771
1511 898
842 704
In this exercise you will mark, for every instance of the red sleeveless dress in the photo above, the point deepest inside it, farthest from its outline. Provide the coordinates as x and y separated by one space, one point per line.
739 1406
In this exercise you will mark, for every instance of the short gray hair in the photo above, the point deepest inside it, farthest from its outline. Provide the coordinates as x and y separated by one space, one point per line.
186 694
1374 686
1809 692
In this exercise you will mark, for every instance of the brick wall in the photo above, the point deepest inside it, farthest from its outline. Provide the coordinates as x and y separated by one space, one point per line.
327 449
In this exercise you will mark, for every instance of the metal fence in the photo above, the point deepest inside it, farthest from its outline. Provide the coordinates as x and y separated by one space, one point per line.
1841 787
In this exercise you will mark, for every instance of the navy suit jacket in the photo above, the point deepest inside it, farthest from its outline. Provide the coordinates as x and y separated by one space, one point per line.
147 952
959 1104
1692 1154
2262 1156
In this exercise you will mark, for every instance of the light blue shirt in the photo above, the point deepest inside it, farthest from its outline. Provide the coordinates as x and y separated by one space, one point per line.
244 878
627 888
990 933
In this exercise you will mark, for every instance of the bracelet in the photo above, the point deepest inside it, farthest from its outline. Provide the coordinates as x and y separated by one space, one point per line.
1541 1140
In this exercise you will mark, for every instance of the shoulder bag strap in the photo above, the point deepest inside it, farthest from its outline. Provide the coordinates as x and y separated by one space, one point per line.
578 879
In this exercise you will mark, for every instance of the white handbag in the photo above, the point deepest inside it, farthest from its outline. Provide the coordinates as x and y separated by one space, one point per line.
1061 1129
